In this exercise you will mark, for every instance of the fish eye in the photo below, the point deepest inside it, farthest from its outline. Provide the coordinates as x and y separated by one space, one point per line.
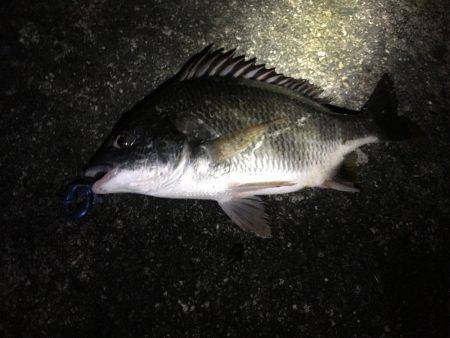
123 141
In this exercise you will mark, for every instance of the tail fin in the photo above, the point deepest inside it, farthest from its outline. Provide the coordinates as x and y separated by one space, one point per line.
389 126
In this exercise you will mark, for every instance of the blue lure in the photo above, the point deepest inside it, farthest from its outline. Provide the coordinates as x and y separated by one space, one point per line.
80 199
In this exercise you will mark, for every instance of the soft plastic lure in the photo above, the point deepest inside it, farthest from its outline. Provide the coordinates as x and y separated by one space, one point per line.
79 199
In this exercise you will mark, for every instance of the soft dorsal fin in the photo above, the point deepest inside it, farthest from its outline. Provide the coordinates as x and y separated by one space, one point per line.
210 62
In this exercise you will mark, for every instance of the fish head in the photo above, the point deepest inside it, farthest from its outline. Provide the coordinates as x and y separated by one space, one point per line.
138 157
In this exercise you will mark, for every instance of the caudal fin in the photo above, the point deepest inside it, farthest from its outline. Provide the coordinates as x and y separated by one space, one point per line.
382 105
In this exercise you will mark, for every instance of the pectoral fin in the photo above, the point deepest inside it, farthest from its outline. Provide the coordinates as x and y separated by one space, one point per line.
249 214
229 145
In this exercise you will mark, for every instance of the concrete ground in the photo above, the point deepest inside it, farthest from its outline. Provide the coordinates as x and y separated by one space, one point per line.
370 264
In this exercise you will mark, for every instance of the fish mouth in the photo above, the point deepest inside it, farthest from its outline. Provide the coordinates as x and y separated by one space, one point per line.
101 174
97 171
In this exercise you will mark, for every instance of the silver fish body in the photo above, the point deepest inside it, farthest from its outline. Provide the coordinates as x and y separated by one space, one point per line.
229 130
301 145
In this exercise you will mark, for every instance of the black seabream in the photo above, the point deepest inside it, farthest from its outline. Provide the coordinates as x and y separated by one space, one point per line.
227 129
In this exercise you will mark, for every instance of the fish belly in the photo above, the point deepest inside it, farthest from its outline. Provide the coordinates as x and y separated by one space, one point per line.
285 182
227 183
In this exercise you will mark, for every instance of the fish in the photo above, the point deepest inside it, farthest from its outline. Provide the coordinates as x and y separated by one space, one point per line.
229 129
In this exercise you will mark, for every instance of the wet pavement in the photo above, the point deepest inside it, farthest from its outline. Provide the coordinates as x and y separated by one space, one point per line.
370 264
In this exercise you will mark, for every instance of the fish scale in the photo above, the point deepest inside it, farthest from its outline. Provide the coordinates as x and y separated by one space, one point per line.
288 154
294 149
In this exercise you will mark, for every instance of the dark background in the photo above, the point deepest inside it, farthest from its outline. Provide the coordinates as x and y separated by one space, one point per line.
368 264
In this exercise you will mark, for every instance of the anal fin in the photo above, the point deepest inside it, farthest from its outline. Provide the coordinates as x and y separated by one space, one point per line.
248 213
345 177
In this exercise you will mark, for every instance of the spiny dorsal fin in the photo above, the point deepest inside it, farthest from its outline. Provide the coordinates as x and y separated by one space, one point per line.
217 62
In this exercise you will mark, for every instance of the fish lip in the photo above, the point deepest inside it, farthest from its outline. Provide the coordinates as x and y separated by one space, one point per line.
98 186
98 171
100 174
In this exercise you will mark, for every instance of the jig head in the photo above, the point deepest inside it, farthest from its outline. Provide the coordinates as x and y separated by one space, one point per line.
79 199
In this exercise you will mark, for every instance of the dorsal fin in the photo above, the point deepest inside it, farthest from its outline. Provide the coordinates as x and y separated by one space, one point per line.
210 62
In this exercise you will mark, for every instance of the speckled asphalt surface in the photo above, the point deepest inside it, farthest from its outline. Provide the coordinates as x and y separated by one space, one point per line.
368 264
